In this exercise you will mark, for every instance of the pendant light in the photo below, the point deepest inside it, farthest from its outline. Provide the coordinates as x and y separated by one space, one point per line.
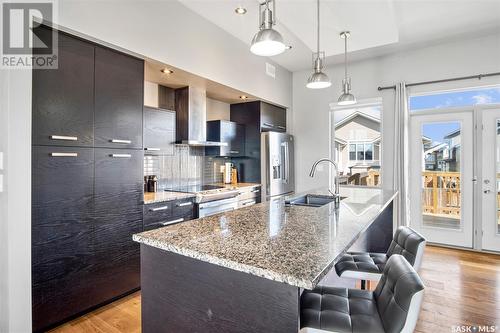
346 98
267 42
318 79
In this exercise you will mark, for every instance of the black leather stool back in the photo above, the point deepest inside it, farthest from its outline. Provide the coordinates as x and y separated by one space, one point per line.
394 293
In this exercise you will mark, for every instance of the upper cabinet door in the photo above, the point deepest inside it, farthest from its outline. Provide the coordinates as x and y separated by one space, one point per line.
119 89
159 131
63 98
272 118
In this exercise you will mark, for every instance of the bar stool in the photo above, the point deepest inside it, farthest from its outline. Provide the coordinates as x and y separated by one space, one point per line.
394 306
369 266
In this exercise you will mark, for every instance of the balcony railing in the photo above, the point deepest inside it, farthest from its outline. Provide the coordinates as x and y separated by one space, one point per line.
441 193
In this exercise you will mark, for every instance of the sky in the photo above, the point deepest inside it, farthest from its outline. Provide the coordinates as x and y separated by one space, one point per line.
455 99
437 131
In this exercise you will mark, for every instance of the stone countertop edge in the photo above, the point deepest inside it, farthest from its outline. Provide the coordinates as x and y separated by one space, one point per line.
328 267
165 196
261 272
230 264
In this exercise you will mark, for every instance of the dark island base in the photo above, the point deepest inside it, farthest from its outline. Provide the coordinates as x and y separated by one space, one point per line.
181 294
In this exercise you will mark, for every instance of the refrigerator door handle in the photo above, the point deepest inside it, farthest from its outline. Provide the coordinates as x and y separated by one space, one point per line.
286 172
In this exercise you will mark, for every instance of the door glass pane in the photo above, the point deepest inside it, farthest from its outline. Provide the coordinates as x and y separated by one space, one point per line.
441 195
497 171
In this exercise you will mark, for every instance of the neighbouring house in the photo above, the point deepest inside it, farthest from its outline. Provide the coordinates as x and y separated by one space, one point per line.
444 156
357 145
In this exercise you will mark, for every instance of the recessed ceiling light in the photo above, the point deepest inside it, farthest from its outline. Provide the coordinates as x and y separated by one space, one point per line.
167 71
243 97
240 10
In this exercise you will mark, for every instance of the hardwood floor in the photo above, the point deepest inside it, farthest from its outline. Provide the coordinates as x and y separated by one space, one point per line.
462 288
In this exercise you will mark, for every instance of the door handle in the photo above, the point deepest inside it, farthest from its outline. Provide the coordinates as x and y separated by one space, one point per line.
121 141
64 154
64 137
121 155
173 221
152 149
234 152
157 209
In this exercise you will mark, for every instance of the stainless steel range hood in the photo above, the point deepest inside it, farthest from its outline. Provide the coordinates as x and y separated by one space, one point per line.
191 110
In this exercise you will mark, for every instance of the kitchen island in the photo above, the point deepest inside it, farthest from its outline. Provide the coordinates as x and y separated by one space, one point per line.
243 271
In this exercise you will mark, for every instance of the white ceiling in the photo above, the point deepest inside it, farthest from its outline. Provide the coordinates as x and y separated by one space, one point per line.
377 26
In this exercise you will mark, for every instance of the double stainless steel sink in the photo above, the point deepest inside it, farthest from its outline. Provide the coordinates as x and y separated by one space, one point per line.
312 200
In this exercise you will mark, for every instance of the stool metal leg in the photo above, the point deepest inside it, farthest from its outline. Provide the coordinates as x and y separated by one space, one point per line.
363 284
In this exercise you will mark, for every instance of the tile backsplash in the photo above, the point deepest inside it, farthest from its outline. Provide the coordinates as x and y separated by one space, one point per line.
187 166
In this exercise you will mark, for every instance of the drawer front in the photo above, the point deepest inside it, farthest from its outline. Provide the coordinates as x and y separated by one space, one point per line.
170 221
157 212
183 207
247 202
249 193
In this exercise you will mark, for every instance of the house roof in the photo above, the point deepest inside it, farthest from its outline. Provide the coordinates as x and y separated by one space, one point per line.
452 134
354 115
435 148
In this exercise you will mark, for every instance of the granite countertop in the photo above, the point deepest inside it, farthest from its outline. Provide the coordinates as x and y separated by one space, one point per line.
296 245
162 196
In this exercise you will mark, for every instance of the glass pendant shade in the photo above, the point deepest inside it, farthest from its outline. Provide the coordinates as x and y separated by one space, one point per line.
267 43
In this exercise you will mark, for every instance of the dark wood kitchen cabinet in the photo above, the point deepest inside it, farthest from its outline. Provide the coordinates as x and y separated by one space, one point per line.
272 118
257 117
86 201
63 98
159 131
62 233
119 91
226 131
118 195
160 214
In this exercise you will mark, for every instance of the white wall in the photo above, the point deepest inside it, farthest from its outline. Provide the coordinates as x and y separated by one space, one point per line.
15 126
162 30
310 118
171 33
218 110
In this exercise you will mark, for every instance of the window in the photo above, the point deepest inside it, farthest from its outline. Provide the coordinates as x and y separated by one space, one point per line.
471 96
357 143
361 152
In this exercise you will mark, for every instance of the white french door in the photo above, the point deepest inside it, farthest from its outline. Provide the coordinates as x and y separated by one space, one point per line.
489 185
441 175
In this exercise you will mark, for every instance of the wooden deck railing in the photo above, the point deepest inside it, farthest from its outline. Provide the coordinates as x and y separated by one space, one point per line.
441 193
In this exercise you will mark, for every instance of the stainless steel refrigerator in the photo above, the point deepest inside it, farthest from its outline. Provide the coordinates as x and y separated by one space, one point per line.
277 164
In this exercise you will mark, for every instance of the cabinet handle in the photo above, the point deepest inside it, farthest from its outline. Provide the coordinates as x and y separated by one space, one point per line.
120 155
255 191
268 125
248 203
63 137
183 204
121 141
157 209
281 127
152 149
64 154
234 152
173 221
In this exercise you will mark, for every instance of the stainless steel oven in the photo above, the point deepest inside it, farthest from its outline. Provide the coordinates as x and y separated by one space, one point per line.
217 206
